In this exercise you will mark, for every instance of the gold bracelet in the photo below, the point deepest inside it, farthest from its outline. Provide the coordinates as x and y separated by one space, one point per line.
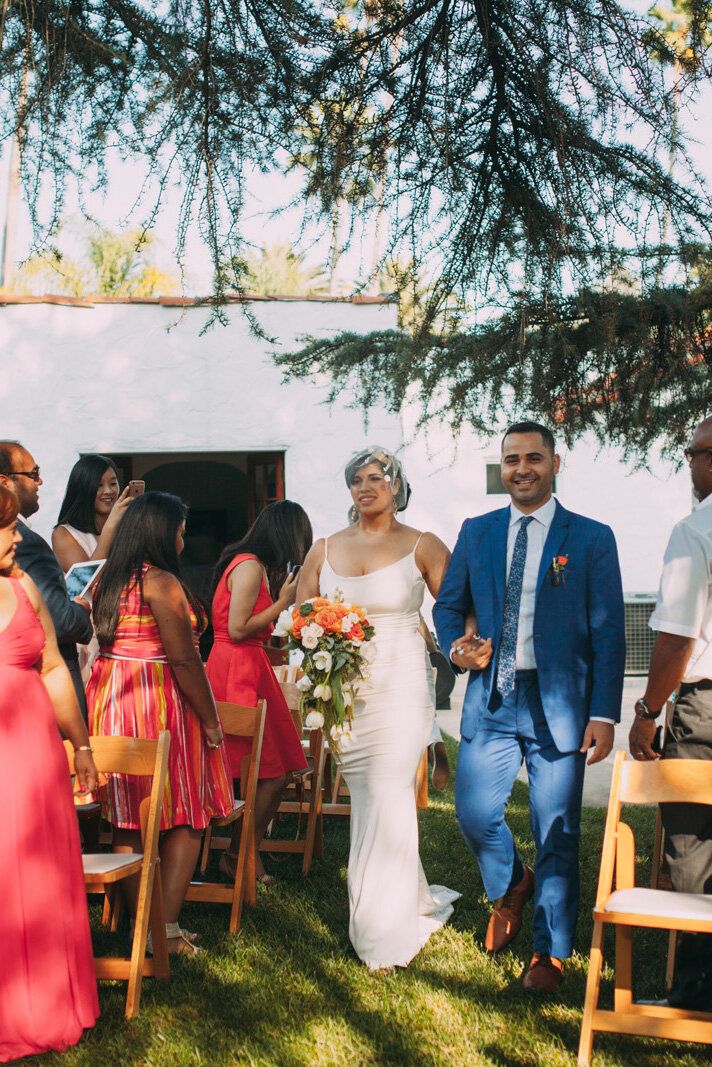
84 748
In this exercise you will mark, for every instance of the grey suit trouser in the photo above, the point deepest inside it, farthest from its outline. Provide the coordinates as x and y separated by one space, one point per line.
688 842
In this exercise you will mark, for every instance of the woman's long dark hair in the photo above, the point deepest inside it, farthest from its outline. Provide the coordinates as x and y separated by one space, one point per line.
147 534
77 508
281 534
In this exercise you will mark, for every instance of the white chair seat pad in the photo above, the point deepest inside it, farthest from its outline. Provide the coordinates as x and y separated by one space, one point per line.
663 903
108 862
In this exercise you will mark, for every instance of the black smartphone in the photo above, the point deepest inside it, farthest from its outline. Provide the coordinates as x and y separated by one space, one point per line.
294 570
657 745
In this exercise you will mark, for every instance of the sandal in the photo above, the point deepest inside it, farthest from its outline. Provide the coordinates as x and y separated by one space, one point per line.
175 933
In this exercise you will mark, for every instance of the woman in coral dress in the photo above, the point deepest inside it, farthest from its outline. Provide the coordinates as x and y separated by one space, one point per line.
238 668
47 984
149 677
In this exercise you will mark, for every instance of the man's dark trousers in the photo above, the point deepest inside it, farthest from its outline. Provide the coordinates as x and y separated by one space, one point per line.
688 843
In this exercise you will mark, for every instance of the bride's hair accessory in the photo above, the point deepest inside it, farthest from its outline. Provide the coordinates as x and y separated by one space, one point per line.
392 472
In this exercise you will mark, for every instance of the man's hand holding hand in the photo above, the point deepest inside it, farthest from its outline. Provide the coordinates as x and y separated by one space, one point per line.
471 653
598 735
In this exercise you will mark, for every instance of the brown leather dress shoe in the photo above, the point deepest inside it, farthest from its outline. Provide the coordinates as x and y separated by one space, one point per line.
544 974
506 918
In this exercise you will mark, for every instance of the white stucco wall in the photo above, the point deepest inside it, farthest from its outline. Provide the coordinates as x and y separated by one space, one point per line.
113 378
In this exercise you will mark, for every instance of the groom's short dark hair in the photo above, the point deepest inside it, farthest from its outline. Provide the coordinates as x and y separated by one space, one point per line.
533 427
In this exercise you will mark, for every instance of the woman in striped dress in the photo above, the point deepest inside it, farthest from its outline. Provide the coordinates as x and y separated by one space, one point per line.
149 677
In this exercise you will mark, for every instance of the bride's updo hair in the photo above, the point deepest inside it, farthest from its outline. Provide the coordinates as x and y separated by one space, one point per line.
8 514
392 471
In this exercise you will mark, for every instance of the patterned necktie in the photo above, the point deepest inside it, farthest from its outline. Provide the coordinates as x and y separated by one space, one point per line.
506 664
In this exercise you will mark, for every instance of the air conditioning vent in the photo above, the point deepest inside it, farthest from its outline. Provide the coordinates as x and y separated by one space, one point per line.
638 635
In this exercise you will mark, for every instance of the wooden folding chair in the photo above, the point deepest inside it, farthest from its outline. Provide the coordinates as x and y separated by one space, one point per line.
104 870
309 786
664 781
237 721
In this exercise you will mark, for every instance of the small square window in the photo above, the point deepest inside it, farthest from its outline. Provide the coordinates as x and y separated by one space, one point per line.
494 480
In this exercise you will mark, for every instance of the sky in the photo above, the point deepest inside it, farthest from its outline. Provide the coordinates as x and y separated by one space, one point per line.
116 209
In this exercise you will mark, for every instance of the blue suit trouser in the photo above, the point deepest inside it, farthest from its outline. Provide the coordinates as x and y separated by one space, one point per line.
486 770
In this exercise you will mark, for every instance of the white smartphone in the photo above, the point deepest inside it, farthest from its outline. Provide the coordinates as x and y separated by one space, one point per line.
81 576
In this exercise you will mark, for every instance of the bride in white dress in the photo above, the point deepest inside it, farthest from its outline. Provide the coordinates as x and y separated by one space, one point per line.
383 566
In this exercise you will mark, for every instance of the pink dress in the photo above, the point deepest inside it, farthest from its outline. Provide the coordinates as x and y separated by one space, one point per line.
47 984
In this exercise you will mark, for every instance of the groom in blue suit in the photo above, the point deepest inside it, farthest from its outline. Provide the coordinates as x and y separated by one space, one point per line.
544 585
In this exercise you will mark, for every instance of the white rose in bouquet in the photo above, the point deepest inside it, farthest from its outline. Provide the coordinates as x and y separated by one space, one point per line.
304 684
311 634
323 660
283 625
314 720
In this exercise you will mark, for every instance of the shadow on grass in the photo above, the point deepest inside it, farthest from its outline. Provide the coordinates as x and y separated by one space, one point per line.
289 991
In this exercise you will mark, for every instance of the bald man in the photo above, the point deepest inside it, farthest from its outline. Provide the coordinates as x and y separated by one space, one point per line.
682 662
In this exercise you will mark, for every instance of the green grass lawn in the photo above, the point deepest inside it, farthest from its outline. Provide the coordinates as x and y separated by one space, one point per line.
289 991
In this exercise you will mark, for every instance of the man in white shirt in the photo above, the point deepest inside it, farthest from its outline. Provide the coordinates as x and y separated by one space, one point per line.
682 662
545 587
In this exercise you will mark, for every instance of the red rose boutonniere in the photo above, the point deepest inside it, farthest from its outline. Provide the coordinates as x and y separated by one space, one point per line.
558 570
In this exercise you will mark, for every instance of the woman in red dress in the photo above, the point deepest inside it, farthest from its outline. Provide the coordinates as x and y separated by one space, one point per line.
238 668
47 984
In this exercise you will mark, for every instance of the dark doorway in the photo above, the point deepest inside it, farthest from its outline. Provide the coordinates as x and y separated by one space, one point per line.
225 491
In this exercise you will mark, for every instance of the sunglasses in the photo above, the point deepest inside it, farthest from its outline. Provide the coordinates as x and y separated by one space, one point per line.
34 474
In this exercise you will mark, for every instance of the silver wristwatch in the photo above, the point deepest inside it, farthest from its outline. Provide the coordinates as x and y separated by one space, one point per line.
644 712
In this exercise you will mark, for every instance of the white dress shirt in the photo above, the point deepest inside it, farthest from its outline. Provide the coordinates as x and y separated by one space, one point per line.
537 532
684 604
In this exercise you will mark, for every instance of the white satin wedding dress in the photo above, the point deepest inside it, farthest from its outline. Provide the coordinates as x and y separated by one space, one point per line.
392 909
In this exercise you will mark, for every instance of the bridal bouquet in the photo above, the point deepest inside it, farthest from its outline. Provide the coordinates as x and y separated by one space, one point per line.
333 637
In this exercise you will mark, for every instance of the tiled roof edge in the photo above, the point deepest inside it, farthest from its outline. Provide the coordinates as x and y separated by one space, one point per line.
187 301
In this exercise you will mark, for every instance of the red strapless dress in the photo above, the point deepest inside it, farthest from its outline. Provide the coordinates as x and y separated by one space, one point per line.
241 673
47 984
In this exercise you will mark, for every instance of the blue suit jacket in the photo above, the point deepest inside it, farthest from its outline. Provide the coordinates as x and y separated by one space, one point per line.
579 629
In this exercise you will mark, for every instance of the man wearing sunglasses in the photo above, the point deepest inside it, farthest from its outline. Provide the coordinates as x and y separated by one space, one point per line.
682 662
21 474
